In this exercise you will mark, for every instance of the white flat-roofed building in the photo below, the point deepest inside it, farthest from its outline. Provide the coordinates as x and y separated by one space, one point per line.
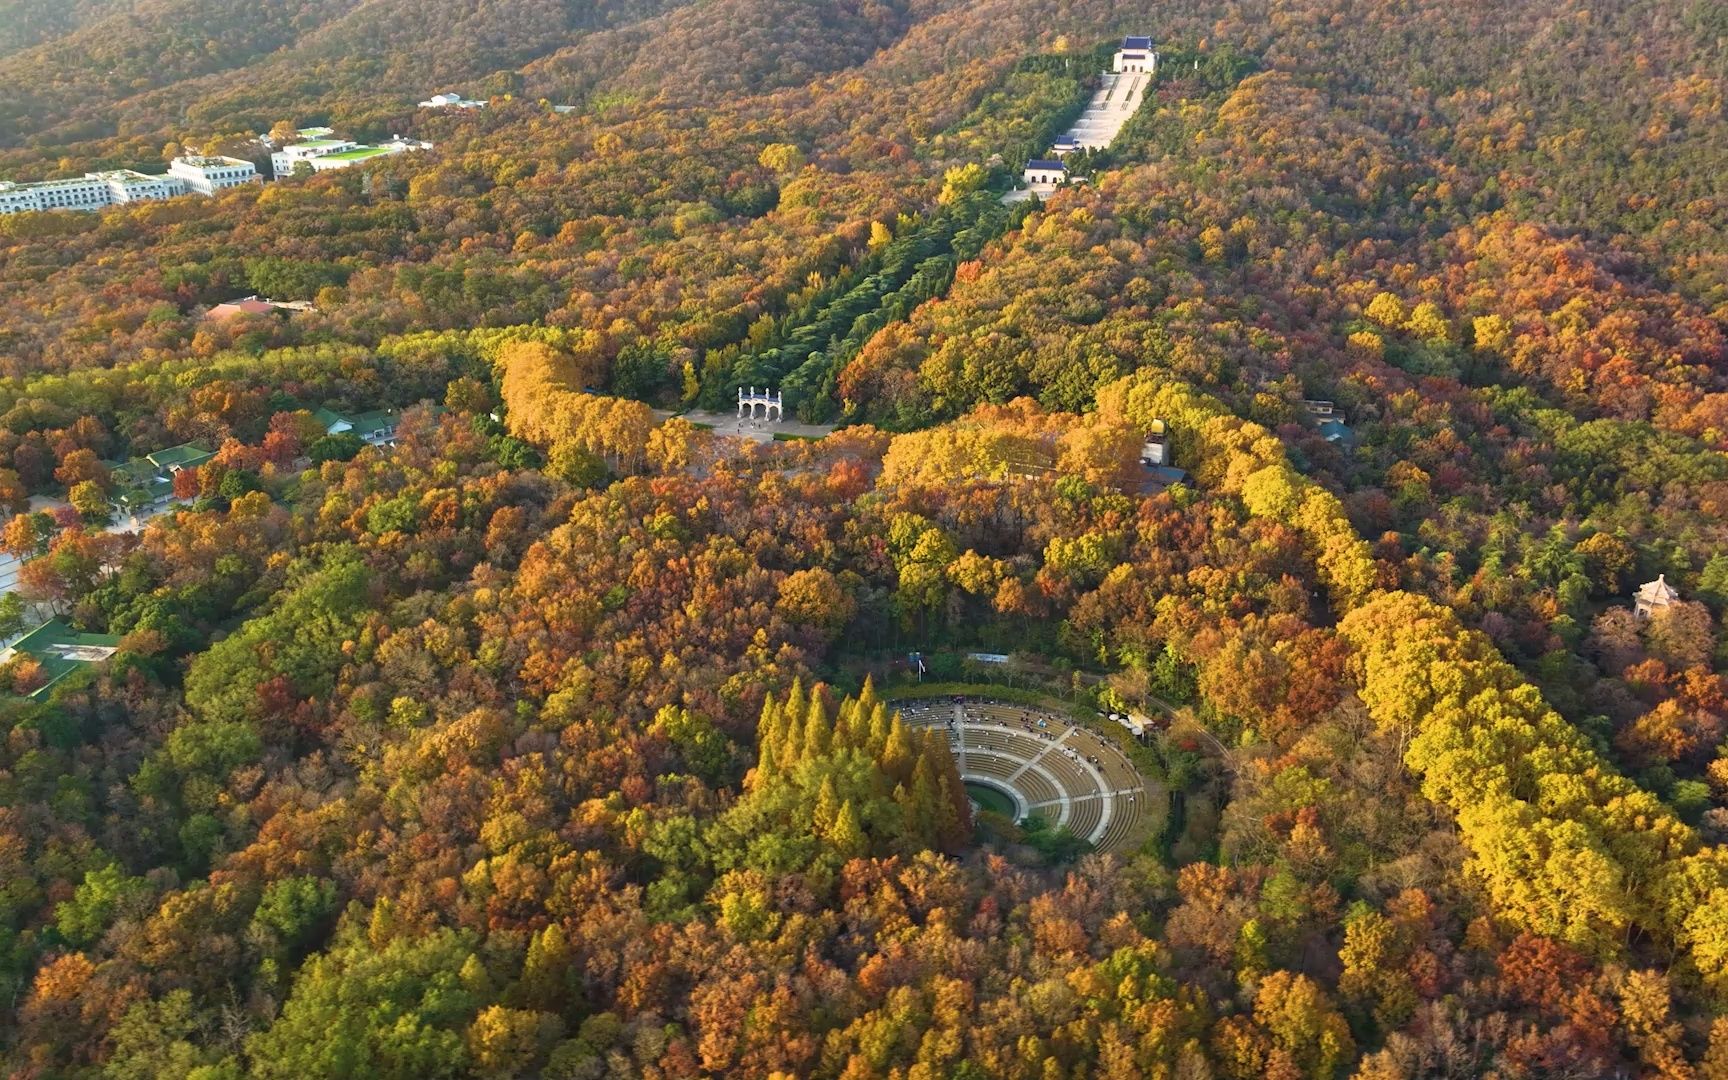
323 155
92 191
17 198
125 186
451 101
282 161
88 192
208 175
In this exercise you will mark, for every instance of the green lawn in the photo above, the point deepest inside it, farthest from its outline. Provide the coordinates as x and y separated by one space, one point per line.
991 799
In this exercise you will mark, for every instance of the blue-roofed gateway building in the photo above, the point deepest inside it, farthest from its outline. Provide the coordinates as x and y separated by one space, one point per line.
1046 171
1135 55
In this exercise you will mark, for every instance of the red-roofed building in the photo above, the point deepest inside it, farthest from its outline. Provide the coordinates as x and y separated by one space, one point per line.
234 308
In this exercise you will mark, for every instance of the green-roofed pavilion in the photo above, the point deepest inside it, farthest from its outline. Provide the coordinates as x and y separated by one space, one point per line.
184 456
329 418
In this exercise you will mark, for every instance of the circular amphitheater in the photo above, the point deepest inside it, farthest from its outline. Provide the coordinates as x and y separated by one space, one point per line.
1041 764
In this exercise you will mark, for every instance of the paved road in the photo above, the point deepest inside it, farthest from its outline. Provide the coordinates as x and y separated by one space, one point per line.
9 565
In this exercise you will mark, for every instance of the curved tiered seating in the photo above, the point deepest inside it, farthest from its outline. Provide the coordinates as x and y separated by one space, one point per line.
991 766
925 715
1035 784
1125 819
1071 775
1087 814
1000 714
1067 775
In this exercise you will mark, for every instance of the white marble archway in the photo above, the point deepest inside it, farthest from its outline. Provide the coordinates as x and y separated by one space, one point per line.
769 404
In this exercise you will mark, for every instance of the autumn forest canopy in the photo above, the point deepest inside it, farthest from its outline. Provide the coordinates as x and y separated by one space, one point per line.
432 680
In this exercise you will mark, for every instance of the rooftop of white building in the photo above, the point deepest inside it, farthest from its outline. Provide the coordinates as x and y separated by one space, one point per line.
132 175
210 161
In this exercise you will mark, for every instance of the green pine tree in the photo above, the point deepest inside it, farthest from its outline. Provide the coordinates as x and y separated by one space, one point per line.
880 723
827 807
897 753
847 836
818 739
792 745
770 740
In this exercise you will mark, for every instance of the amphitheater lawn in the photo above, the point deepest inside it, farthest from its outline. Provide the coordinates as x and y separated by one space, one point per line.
991 799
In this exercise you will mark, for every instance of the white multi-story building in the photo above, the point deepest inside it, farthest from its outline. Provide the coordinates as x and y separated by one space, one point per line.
126 186
14 199
188 174
208 175
86 193
92 191
322 155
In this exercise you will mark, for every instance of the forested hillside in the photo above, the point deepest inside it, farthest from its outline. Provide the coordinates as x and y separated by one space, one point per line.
558 734
225 64
30 22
